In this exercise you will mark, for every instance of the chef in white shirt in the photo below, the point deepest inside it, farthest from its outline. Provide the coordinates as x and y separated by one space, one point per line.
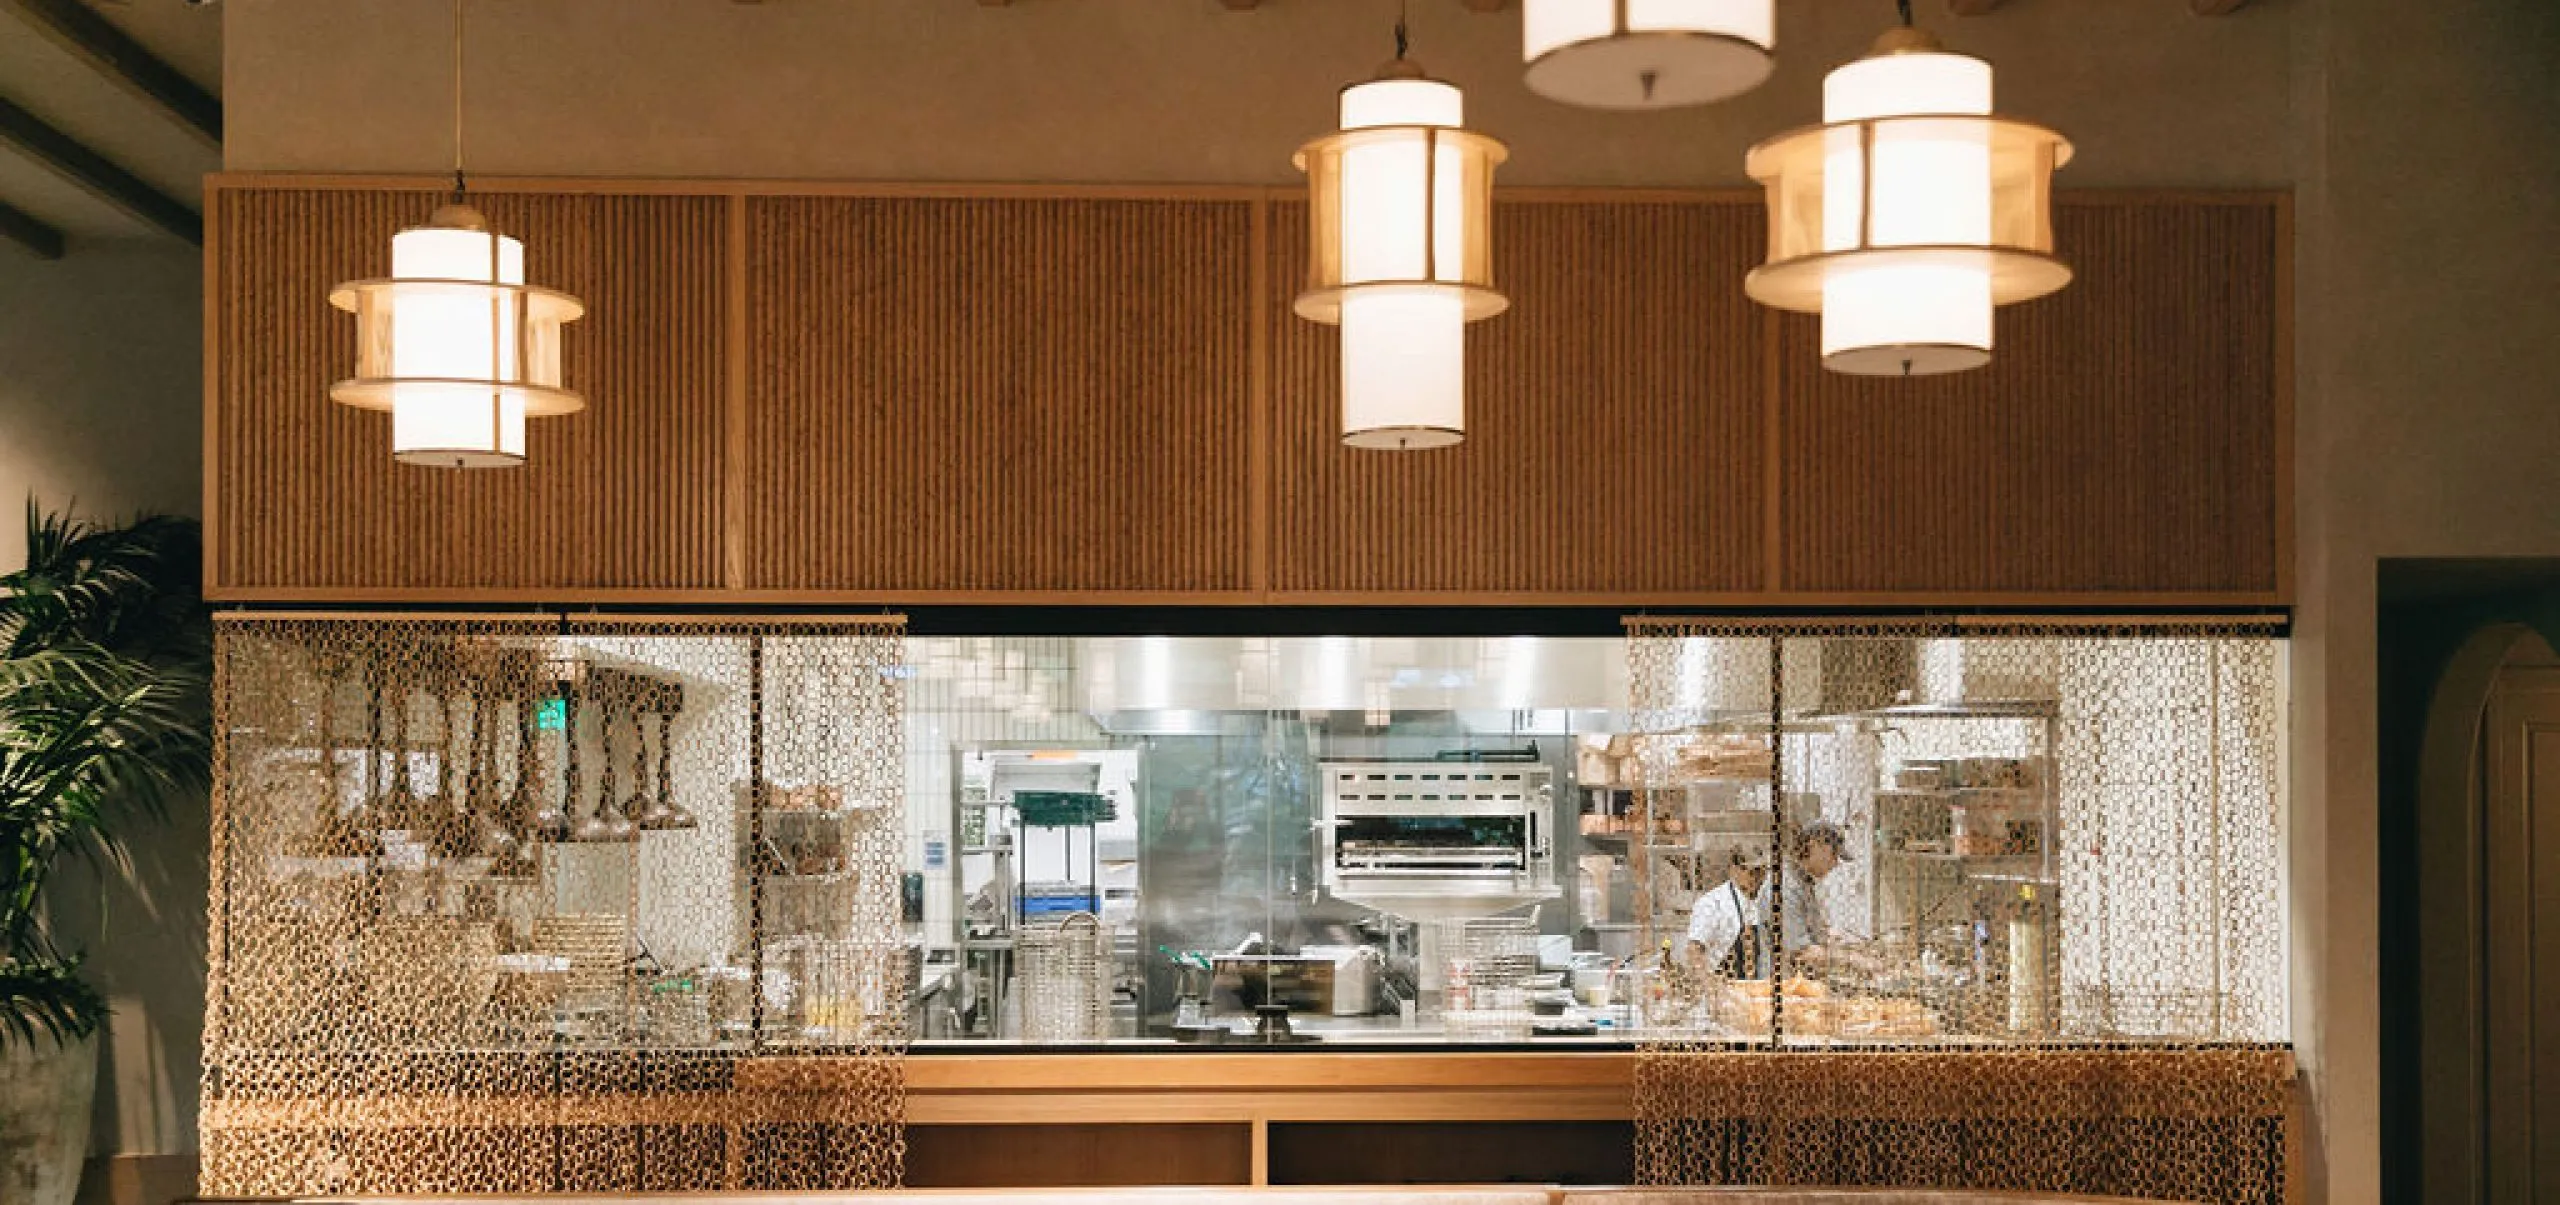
1729 922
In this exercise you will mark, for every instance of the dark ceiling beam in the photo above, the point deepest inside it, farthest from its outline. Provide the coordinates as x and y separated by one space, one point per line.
91 170
113 53
28 231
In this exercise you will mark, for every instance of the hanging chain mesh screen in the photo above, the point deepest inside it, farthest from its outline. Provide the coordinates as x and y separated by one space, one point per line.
1993 905
513 905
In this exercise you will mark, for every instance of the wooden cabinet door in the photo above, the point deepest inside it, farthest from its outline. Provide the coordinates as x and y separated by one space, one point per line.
2521 849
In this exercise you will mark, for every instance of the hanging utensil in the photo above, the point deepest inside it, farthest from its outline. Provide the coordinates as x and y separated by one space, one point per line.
492 836
662 814
604 823
638 805
400 812
453 835
549 820
336 834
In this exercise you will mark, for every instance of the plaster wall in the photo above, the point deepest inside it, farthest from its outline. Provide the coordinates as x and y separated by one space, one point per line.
2427 424
100 371
1155 91
101 365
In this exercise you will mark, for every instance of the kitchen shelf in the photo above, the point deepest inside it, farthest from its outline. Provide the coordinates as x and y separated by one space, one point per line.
1936 855
1985 709
2032 793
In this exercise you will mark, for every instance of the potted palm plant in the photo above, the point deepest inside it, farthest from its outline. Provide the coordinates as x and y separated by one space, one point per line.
104 718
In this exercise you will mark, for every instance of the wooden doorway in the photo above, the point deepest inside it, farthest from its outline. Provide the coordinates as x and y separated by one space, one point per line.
2489 891
2520 833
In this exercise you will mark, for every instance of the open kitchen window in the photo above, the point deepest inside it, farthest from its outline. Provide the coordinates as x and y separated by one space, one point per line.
2055 836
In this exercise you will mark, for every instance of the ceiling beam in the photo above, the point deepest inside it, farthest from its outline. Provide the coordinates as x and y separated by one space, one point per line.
91 170
28 231
113 53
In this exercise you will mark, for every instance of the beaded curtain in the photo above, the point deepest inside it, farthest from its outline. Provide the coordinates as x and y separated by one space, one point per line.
2051 955
526 905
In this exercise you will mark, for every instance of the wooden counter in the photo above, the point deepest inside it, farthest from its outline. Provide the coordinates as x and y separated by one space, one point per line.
1294 1085
624 1121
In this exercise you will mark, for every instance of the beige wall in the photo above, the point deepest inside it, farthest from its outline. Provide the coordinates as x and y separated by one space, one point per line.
100 370
2428 425
2417 137
1146 90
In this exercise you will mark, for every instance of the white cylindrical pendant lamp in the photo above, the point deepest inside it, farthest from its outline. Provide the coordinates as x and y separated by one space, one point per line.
1646 54
1400 207
456 346
1909 213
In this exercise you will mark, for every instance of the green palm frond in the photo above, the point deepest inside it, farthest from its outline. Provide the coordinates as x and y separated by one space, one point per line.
133 589
104 714
47 1000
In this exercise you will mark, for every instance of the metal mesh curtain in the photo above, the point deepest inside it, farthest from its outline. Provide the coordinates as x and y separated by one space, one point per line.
519 905
2023 905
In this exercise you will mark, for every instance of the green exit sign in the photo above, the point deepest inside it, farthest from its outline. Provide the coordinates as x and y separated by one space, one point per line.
552 716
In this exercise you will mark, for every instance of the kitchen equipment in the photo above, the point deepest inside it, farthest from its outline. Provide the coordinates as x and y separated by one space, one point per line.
594 945
1434 841
1339 981
1066 980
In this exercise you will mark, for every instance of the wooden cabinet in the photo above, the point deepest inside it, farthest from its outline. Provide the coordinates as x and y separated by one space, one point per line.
812 394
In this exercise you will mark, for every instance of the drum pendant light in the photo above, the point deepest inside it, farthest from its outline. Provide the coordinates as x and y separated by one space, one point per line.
454 343
1400 210
1646 54
1909 213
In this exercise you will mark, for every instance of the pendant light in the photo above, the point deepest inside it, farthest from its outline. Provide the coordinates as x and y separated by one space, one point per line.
1400 209
454 343
1647 54
1910 212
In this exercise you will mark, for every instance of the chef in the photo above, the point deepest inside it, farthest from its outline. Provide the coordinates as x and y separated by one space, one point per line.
1816 851
1729 923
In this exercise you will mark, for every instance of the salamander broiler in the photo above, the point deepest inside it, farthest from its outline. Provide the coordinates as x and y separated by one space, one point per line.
1434 841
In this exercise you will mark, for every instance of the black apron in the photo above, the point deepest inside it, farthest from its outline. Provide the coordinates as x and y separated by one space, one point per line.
1743 961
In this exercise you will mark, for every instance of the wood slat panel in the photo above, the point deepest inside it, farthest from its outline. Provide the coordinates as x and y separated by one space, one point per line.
998 394
1614 422
305 495
935 395
2124 438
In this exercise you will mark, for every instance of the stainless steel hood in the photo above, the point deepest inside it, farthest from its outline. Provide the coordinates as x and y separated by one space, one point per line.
1184 685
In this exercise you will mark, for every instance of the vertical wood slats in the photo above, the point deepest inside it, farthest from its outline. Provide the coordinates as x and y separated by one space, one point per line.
2123 437
624 496
998 395
1100 397
1614 421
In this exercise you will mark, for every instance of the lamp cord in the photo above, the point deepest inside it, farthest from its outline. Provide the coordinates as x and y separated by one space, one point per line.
457 101
1903 7
1401 40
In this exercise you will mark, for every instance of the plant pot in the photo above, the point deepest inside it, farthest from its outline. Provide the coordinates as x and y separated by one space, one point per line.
44 1118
